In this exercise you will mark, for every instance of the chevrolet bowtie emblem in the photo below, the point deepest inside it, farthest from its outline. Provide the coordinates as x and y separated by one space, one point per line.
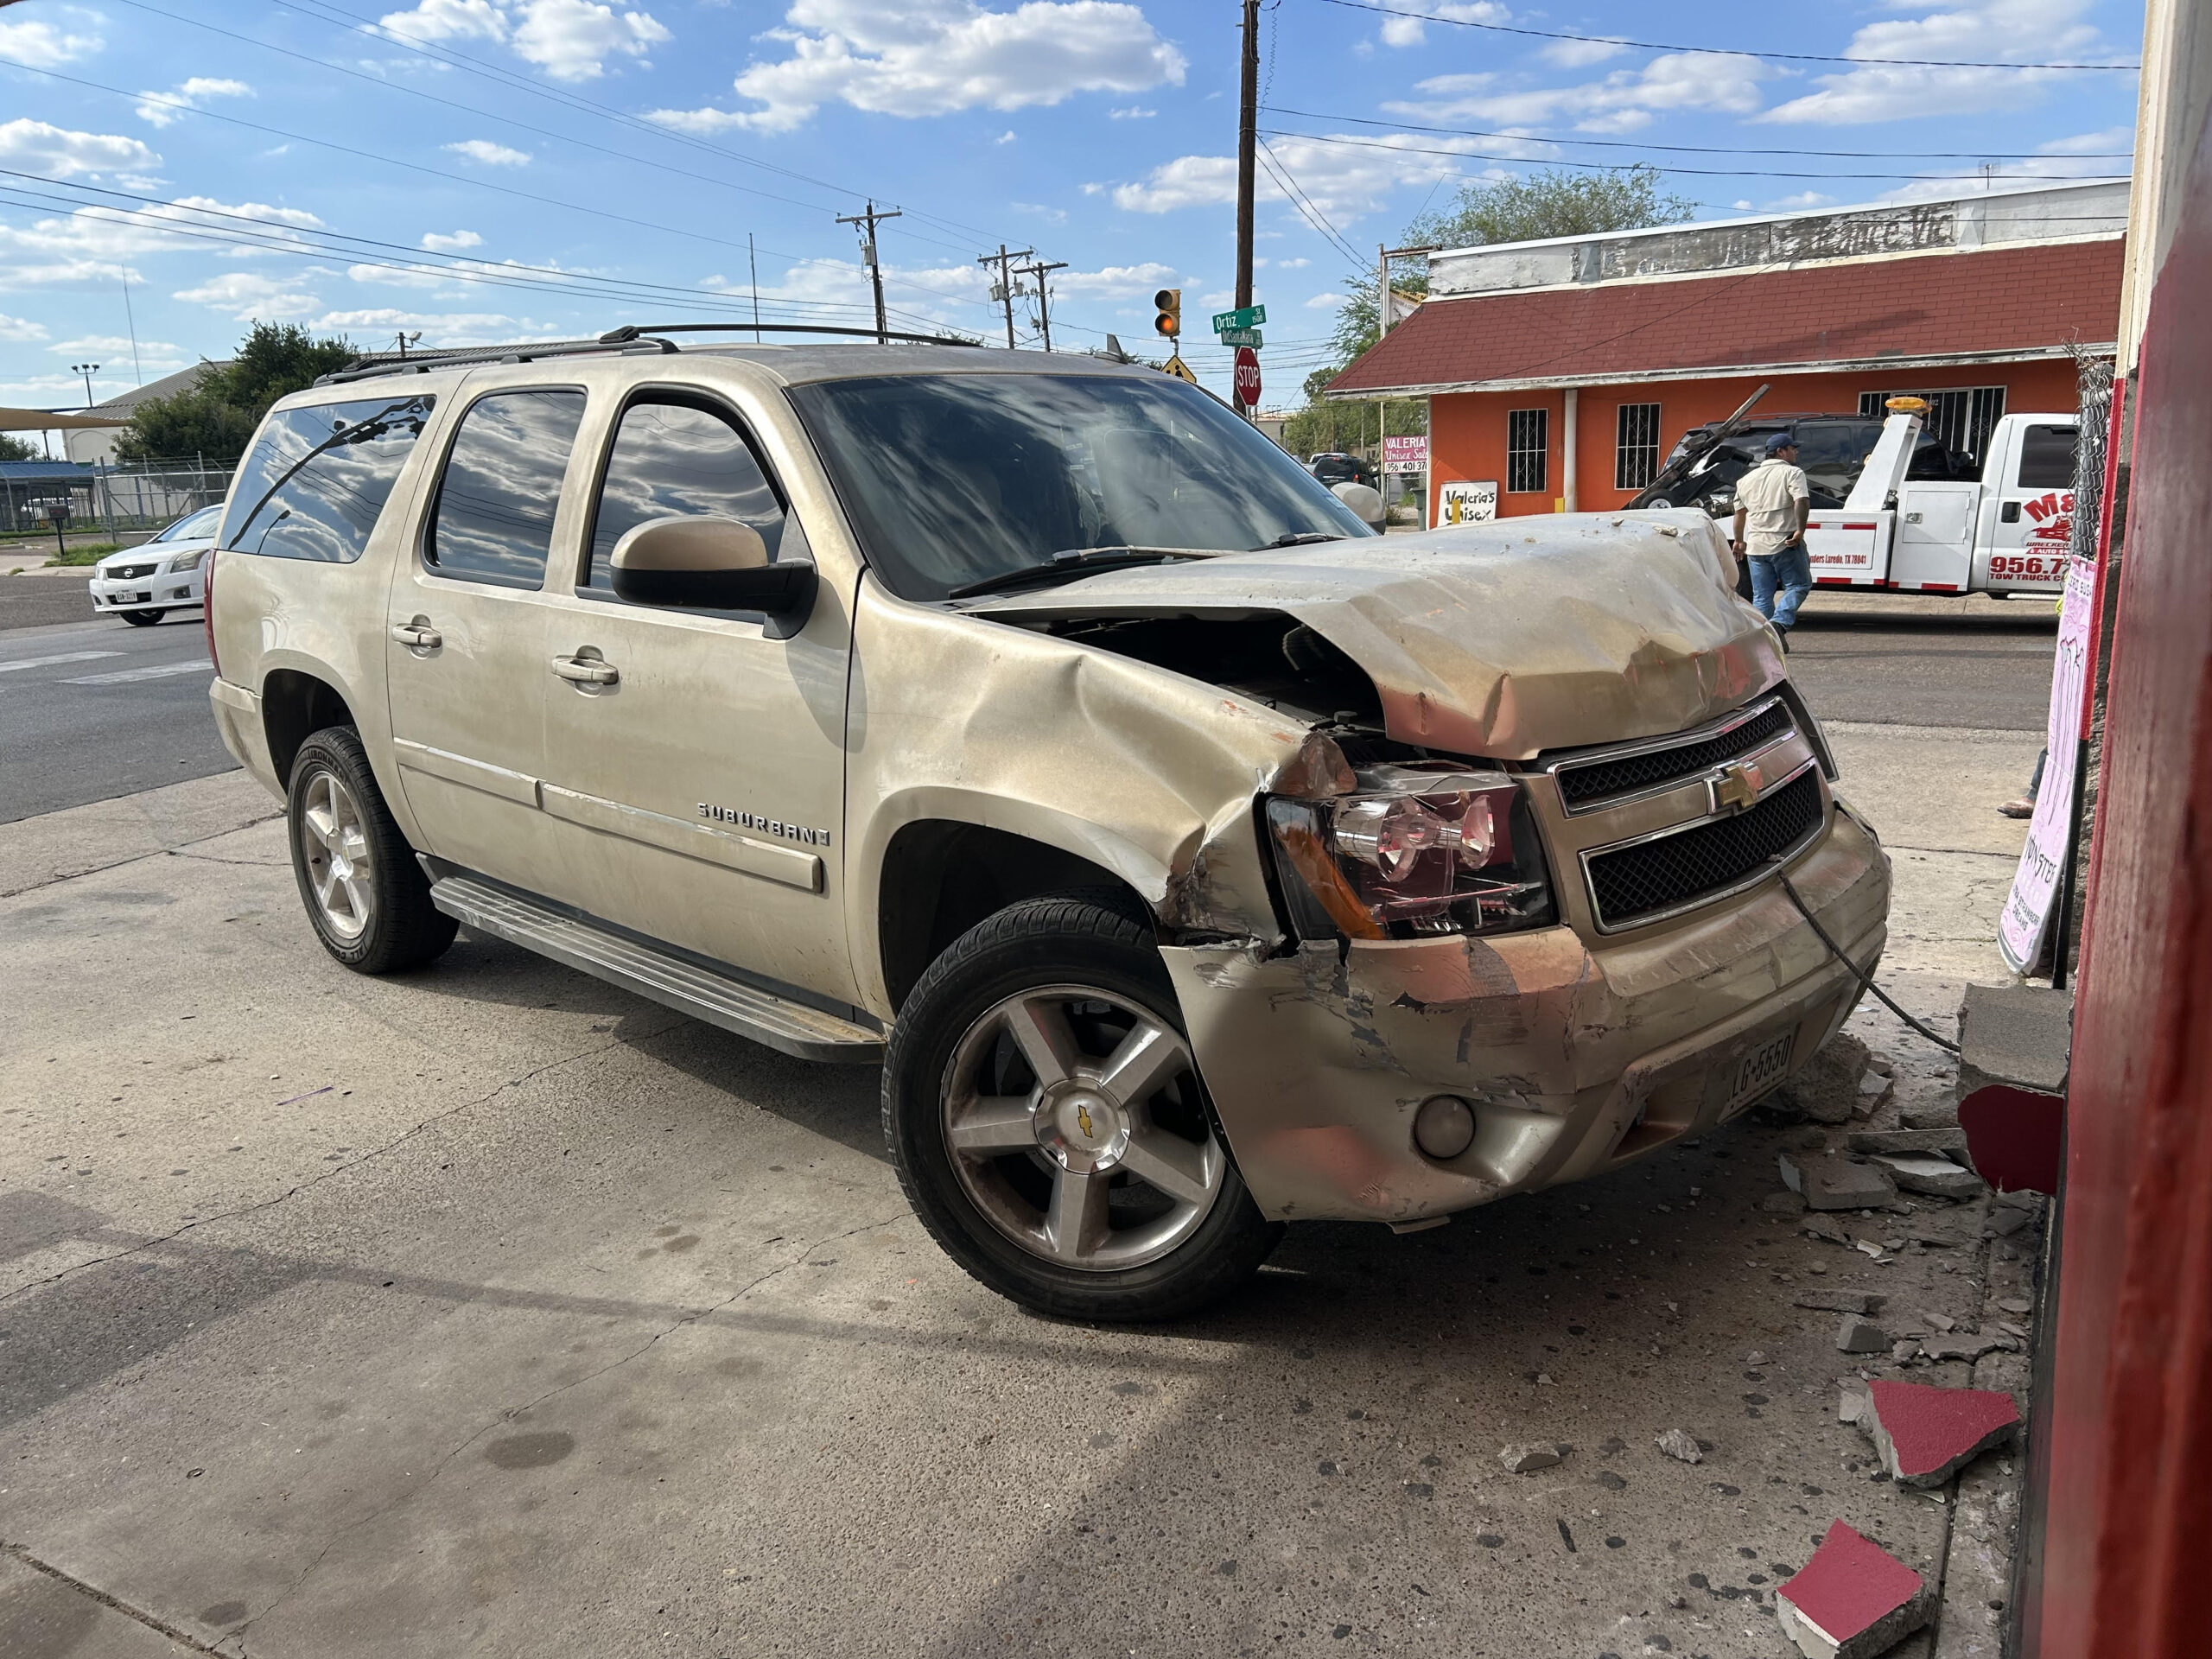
1738 786
1082 1116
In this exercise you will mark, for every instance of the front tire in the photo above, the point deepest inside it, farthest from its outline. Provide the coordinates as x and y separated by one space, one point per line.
1049 1125
366 897
143 619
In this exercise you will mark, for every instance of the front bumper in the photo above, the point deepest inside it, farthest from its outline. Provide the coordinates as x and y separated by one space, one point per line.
163 590
1575 1059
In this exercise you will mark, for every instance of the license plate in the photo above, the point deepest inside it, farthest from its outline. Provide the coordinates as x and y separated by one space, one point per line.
1761 1070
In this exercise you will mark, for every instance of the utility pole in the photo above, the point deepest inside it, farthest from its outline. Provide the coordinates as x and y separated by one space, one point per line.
1044 302
868 252
88 370
753 268
406 339
1247 126
1002 290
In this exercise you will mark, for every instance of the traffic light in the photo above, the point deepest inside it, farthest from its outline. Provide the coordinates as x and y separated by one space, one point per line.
1169 303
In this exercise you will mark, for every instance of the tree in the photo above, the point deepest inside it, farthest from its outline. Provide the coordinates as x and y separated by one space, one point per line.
15 449
215 416
1524 209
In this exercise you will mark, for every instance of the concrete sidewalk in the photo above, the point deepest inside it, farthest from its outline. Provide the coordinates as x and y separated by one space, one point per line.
489 1309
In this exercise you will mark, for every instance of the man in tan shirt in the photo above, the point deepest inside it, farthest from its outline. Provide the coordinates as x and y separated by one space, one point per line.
1772 504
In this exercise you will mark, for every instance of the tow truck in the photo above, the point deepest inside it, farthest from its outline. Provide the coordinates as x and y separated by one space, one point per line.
2004 533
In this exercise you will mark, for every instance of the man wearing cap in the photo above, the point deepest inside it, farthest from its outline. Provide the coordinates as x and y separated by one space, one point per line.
1772 504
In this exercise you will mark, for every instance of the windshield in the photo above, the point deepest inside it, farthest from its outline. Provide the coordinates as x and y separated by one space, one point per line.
192 525
953 480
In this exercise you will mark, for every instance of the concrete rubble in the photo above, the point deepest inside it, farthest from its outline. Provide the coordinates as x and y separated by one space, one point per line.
1831 1182
1852 1599
1536 1454
1936 1177
1680 1445
1874 1089
1859 1335
1842 1301
1932 1140
1925 1435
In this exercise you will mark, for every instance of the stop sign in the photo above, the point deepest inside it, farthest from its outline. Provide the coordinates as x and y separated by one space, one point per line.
1248 376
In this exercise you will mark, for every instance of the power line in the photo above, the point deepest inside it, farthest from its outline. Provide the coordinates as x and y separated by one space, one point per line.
1717 51
1307 209
1687 172
1718 149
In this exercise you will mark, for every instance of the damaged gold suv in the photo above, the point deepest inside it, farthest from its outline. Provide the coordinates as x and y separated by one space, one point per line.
1191 860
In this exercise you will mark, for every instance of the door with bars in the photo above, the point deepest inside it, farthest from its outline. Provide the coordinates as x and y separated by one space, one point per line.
1959 418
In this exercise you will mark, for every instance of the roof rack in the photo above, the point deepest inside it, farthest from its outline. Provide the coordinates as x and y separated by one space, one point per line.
628 339
631 331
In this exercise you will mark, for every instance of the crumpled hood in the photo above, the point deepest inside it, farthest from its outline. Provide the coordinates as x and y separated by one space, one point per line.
1498 639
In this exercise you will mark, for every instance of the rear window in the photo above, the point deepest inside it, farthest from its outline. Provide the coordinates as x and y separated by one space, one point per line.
2047 457
319 476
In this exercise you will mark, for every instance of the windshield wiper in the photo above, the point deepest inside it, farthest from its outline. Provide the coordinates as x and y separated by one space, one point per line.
1078 562
1300 538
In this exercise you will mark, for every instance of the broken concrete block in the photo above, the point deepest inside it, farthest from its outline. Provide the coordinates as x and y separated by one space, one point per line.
1822 1227
1961 1344
1873 1089
1919 1141
1928 1117
1536 1454
2004 1222
1939 1177
1925 1435
1783 1203
1827 1183
1855 1400
1859 1335
1852 1599
1842 1301
1676 1443
1827 1087
1882 1063
2015 1305
1906 1349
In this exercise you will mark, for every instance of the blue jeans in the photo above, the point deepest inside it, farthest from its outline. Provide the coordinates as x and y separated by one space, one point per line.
1780 582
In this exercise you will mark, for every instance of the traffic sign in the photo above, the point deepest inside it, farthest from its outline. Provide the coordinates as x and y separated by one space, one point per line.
1243 337
1248 376
1176 367
1247 316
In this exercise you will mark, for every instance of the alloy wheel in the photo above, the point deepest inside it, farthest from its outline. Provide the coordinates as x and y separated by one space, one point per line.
337 850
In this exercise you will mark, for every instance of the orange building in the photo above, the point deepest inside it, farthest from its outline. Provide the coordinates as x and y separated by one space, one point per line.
1561 372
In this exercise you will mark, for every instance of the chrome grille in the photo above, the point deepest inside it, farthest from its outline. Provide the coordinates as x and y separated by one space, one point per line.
1606 777
130 572
1649 878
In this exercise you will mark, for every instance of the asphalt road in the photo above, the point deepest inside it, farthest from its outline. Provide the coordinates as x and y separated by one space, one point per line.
95 709
1974 663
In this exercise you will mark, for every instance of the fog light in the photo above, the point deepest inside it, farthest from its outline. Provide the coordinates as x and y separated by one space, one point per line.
1445 1126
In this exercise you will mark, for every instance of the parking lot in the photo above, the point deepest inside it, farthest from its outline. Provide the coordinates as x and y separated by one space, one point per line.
490 1310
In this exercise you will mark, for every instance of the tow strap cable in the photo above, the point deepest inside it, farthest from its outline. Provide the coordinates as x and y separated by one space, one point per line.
1882 996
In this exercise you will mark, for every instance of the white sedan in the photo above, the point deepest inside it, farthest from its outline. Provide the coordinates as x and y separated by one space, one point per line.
140 583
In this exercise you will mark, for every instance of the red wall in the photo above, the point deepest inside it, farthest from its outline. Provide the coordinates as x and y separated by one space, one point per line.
1467 429
2129 1503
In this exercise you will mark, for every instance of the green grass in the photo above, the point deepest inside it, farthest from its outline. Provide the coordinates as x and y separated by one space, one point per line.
90 553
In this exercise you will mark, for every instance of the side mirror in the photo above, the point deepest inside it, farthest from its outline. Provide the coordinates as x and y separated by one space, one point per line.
705 562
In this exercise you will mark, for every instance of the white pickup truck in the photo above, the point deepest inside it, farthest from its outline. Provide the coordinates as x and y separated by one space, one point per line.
2005 534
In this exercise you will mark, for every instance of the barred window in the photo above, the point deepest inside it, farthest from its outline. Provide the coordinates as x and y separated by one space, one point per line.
1528 438
1961 418
1635 447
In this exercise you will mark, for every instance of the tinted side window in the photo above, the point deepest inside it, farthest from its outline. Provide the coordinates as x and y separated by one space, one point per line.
2047 458
318 478
673 459
493 520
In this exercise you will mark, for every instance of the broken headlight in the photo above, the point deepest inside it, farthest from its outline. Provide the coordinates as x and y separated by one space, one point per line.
1411 852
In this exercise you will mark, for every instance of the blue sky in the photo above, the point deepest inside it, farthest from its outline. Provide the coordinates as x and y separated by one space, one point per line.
490 169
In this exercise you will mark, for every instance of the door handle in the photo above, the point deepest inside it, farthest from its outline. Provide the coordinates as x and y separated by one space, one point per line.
417 636
586 671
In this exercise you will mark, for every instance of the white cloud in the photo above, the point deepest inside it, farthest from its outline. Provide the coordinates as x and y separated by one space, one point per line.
248 295
1326 301
1005 138
1624 101
1802 202
931 57
439 242
490 154
1292 264
1409 31
38 42
165 109
1342 181
1051 215
437 327
36 147
2032 29
570 39
96 244
1132 113
21 329
2084 156
1115 280
1575 55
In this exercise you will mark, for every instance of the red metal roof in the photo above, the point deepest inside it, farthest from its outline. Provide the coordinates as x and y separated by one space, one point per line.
2028 299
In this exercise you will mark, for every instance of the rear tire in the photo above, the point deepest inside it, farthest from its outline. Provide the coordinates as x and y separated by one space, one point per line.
143 619
1092 1182
366 897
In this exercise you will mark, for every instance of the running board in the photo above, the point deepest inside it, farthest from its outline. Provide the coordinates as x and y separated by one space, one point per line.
666 978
